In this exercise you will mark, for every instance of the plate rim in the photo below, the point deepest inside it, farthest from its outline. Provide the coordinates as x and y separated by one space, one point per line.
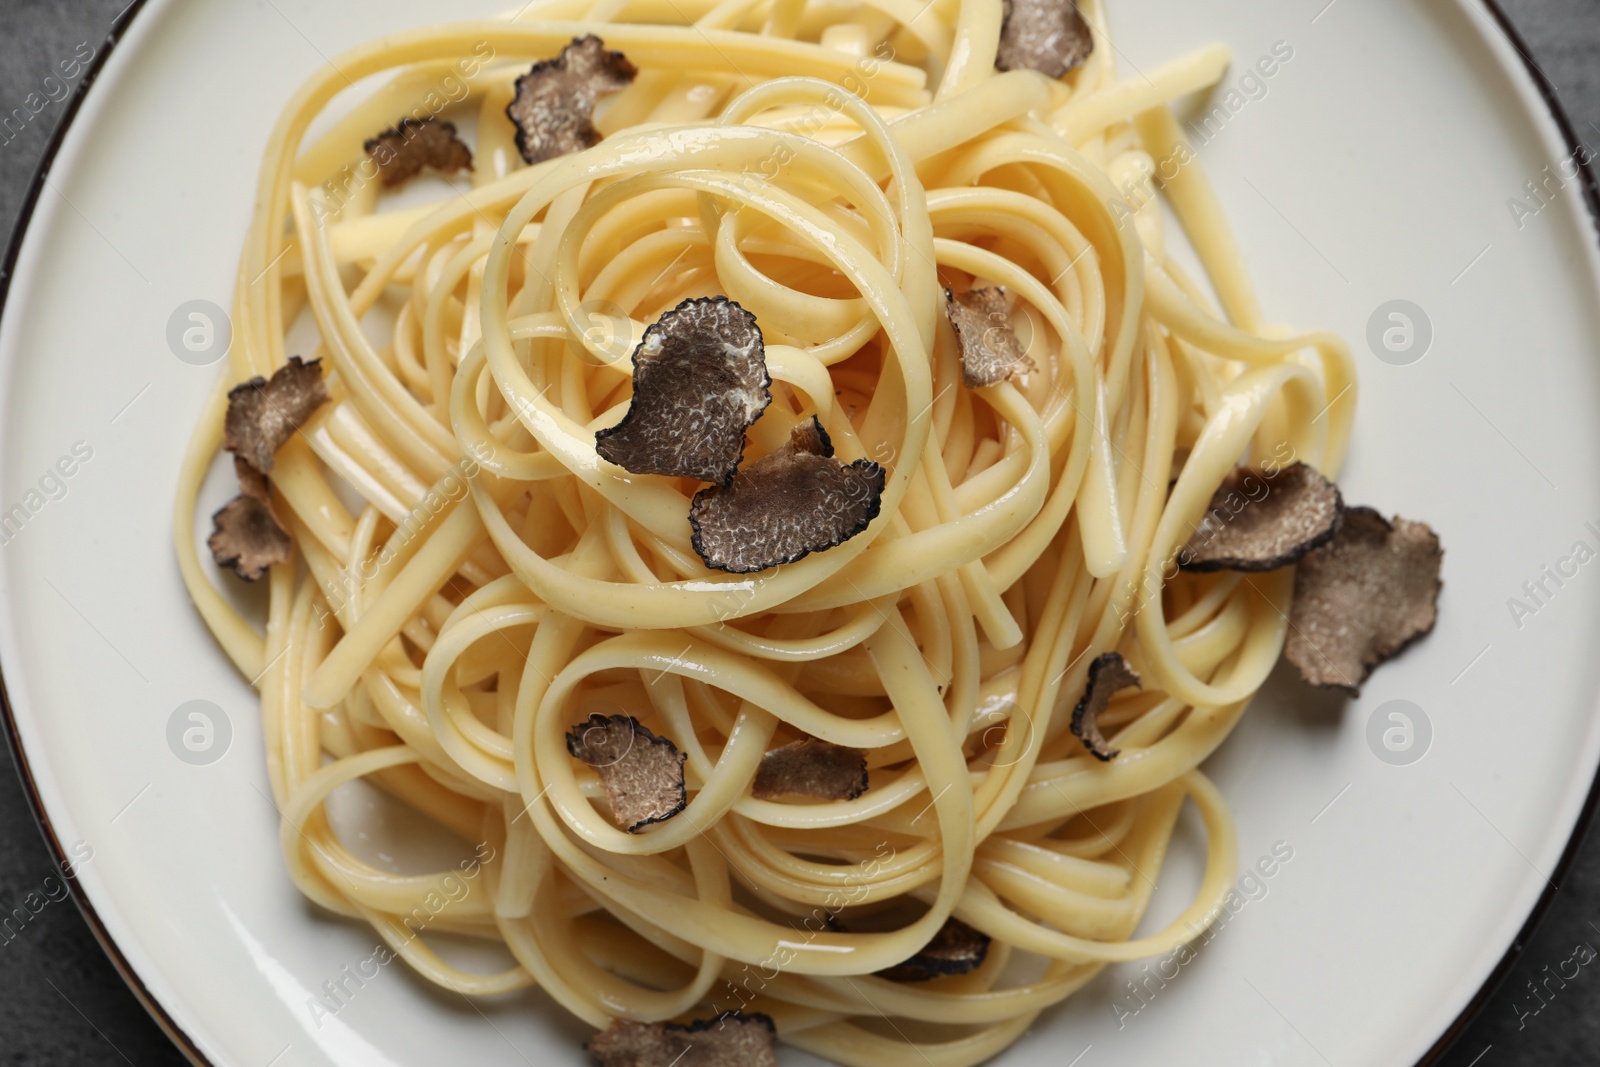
190 1048
30 202
1586 815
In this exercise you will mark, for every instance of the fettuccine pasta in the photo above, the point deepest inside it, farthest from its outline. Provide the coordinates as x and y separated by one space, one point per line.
469 579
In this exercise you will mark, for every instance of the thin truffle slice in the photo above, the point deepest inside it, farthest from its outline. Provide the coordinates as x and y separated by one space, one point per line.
246 534
642 773
733 1039
1049 36
402 151
252 483
699 381
783 507
956 949
1109 674
812 768
1362 598
990 349
554 103
1258 522
263 414
246 537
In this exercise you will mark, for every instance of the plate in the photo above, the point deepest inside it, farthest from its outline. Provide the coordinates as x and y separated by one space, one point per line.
1399 178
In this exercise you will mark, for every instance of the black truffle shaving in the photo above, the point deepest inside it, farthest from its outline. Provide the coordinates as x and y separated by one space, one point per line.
956 949
811 768
263 413
1049 36
401 152
1363 598
1260 522
1109 674
246 534
642 773
732 1039
990 349
699 382
785 506
554 103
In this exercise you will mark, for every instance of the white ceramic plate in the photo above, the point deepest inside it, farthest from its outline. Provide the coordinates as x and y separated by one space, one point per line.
1375 165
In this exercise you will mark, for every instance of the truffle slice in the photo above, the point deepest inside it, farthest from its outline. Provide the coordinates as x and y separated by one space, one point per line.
783 507
990 350
699 381
554 102
1049 36
956 949
812 768
1362 598
733 1039
642 773
1108 675
263 414
1247 530
402 151
246 534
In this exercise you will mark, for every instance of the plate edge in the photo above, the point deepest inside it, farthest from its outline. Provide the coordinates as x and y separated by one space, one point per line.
1591 803
30 201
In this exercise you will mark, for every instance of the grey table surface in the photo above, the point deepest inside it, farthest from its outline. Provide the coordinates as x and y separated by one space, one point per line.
61 1002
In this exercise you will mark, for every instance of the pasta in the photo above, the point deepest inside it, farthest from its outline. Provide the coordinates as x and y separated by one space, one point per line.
469 579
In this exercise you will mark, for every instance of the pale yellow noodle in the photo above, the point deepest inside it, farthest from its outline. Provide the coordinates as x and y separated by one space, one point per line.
831 166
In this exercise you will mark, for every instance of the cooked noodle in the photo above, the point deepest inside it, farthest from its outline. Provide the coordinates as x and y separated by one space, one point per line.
830 167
